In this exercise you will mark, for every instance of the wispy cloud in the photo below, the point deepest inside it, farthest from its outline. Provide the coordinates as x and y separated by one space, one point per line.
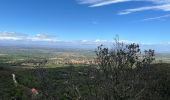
159 17
163 5
43 37
97 3
159 1
108 2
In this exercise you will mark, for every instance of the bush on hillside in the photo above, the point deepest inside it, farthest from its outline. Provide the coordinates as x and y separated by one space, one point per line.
119 74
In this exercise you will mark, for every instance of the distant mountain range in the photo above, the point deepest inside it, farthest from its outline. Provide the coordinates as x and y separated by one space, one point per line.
160 48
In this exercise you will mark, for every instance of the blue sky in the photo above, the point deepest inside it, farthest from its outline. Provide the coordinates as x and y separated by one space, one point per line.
141 21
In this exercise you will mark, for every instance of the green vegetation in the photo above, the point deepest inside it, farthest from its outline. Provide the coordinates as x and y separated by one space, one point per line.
157 85
123 73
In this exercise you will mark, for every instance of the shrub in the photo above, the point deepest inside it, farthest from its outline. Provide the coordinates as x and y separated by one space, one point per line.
119 74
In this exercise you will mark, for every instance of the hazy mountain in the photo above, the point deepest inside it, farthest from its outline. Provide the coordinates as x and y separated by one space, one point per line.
163 48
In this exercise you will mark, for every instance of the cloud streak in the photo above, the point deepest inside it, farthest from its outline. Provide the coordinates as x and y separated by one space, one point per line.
159 17
165 7
43 37
162 5
108 2
98 3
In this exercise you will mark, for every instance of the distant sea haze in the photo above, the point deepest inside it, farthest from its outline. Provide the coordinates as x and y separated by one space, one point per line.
159 48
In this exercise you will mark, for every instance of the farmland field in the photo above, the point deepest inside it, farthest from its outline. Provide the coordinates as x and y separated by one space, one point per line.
20 56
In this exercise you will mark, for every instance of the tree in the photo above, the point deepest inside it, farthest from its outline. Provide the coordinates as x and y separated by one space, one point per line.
120 68
118 74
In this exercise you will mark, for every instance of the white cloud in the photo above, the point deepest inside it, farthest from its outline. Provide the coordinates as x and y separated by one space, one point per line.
84 41
97 41
19 36
158 17
165 7
108 2
100 41
89 1
42 37
11 36
159 1
97 3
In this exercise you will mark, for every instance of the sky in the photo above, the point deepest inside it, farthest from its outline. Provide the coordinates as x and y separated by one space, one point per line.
85 21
